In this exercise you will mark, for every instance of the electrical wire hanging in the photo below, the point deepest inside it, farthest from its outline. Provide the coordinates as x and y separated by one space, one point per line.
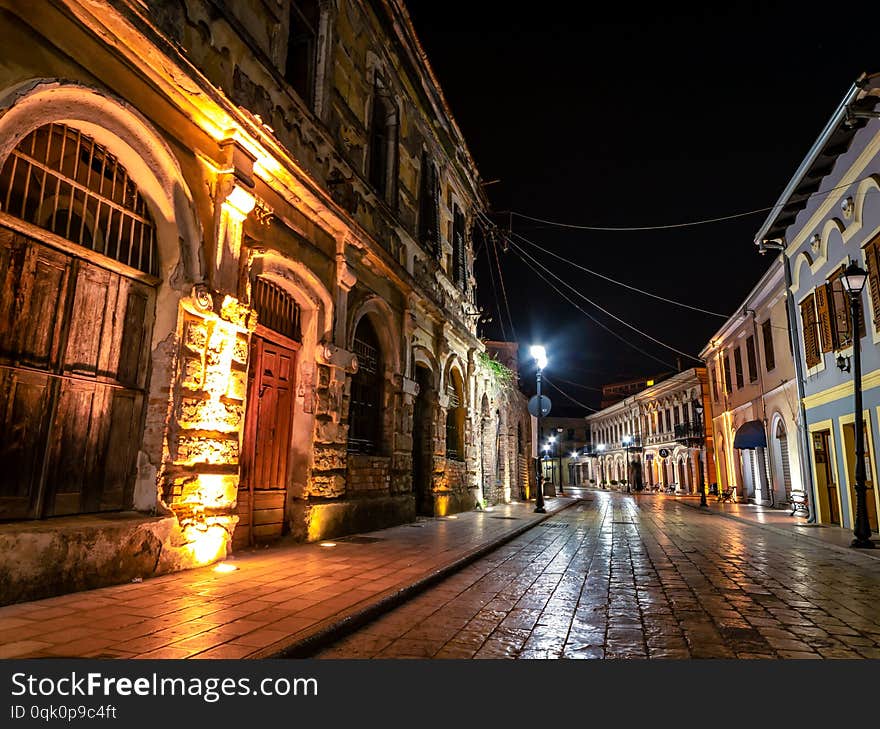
594 319
495 296
689 224
503 288
520 251
565 394
618 283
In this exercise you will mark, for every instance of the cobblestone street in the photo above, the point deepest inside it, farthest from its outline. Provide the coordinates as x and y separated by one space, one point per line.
644 577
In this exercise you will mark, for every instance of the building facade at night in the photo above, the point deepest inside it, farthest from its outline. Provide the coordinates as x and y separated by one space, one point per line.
656 438
237 295
755 399
562 441
827 217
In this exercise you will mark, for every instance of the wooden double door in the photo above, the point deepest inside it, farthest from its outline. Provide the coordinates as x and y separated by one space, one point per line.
74 347
268 430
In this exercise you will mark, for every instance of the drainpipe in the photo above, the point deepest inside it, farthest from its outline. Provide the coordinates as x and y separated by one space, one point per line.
778 244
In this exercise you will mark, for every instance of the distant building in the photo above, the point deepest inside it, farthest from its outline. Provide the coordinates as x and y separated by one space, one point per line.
562 441
754 397
657 438
614 392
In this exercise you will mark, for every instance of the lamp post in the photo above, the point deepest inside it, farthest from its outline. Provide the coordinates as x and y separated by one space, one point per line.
853 280
627 442
559 456
540 356
698 409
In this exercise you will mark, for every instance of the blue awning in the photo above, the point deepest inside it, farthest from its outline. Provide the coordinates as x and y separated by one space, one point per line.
750 435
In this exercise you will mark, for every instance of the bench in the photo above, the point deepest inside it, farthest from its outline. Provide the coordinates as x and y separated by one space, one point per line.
726 495
798 501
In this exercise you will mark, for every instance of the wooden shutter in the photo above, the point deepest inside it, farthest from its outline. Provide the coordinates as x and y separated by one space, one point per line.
769 354
827 330
811 339
872 258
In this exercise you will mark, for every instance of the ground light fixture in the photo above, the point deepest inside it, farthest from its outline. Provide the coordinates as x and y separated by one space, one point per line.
539 354
853 280
225 567
328 544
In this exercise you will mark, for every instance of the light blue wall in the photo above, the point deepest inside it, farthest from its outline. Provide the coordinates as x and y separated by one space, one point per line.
836 252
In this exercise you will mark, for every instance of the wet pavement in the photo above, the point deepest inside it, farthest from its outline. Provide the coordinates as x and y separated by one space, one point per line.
640 577
276 598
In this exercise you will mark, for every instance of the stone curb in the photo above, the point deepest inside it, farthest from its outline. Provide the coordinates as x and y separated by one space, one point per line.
307 642
870 554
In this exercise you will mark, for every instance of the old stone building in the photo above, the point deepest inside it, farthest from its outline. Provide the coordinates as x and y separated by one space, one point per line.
236 290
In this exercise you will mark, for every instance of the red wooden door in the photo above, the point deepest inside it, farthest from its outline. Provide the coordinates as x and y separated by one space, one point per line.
262 491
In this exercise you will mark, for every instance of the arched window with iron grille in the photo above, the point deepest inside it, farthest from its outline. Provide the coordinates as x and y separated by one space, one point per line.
63 181
455 415
365 405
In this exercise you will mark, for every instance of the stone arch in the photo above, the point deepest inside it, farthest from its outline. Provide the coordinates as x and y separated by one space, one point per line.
151 165
382 318
305 287
140 148
455 364
780 435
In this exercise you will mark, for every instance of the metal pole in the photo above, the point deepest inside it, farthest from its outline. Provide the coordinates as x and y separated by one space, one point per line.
805 445
861 528
539 497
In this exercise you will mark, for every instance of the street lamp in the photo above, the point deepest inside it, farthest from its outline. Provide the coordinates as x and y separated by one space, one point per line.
627 442
698 409
539 354
853 280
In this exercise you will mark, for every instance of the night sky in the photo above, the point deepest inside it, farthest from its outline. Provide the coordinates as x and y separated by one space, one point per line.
628 116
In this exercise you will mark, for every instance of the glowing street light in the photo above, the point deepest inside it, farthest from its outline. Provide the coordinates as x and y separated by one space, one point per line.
539 354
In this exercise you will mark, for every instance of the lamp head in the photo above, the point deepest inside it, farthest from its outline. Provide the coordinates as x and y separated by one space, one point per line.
539 354
853 278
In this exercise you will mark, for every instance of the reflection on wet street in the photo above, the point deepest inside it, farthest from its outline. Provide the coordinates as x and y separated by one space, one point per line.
616 576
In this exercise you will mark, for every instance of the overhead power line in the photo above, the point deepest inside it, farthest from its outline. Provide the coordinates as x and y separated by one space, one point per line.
669 226
618 283
592 318
520 251
565 394
503 288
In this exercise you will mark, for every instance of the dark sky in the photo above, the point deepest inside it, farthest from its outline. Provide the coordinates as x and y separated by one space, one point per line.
621 115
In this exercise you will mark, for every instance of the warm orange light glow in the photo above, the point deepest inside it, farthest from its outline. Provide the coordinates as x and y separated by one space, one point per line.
209 545
242 200
225 567
649 383
328 544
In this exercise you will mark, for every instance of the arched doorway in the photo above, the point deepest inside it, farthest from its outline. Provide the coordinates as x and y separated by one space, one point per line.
781 459
79 264
423 440
268 425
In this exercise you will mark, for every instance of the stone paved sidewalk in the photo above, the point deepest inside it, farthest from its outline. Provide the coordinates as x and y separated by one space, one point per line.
780 521
278 598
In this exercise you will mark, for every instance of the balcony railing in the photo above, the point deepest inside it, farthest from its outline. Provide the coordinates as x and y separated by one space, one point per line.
691 431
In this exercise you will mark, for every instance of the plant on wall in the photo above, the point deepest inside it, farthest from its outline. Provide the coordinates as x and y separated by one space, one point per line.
501 374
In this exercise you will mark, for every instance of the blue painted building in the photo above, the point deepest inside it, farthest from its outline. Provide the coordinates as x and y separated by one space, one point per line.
828 216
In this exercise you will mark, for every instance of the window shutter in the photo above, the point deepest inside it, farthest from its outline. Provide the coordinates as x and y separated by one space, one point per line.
811 343
872 258
826 326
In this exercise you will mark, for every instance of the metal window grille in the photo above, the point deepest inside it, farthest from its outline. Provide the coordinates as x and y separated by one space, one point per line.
364 411
63 181
454 435
276 309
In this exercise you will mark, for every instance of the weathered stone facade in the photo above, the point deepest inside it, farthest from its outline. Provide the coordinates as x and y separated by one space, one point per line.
311 362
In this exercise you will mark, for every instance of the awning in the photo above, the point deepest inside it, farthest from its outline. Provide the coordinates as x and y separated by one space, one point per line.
750 435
